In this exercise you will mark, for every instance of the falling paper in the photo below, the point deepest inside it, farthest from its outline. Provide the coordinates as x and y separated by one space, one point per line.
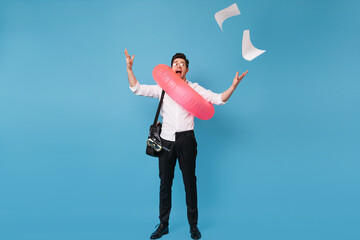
249 52
224 14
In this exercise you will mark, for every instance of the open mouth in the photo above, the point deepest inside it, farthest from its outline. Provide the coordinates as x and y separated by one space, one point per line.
178 72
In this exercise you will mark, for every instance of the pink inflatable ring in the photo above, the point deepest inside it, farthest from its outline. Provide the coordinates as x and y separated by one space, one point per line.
182 93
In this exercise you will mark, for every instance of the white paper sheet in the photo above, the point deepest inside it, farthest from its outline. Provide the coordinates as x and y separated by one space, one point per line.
222 15
249 52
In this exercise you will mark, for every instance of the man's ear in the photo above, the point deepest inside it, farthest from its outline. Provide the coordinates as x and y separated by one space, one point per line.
187 70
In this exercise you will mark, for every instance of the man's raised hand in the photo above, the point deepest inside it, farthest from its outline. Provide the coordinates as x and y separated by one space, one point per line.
129 60
238 78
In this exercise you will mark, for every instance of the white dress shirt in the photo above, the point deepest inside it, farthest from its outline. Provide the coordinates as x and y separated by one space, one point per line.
175 117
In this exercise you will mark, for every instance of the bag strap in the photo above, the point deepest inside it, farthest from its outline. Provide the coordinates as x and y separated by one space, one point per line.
158 109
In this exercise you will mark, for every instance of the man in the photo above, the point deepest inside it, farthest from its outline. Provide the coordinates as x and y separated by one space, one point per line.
177 135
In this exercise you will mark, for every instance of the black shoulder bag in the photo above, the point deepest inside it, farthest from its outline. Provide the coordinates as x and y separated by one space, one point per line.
153 143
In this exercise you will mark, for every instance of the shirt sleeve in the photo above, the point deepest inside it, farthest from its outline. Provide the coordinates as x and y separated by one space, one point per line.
146 90
213 98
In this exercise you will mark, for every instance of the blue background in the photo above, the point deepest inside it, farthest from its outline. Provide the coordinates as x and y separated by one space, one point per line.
279 161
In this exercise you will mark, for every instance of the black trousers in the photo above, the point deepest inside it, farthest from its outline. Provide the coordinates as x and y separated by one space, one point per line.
185 150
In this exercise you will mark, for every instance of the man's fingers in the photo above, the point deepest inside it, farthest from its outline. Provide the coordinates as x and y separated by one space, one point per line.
243 75
132 59
237 74
126 53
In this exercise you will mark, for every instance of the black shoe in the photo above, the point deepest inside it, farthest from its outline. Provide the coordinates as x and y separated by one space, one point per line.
195 233
160 231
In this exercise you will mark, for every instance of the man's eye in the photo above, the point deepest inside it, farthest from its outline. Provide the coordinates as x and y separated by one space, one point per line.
178 64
